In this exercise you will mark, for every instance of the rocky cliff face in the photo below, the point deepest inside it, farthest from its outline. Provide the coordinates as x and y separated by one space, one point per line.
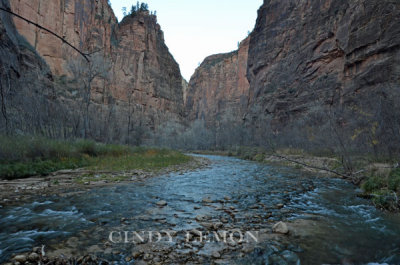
26 83
219 88
88 25
144 71
321 73
308 57
144 87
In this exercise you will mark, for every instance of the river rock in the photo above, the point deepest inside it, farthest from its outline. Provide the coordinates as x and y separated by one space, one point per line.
218 225
147 256
208 226
136 254
290 257
216 255
280 205
162 203
33 257
280 228
20 258
207 200
201 217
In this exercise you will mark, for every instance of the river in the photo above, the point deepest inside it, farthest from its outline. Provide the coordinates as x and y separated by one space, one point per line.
328 223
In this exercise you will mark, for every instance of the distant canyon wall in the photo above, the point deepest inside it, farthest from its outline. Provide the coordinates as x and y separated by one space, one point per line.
219 89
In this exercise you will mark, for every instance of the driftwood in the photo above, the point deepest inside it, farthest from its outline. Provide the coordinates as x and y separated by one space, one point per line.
314 167
49 31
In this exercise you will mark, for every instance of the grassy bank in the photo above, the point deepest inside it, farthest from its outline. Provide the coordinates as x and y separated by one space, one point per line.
22 157
377 177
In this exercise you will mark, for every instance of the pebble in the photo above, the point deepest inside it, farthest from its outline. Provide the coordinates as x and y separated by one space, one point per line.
162 203
136 254
280 228
147 256
20 258
33 257
207 200
216 254
200 218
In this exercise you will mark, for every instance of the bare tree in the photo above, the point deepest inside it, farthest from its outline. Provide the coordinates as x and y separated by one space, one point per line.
84 74
3 93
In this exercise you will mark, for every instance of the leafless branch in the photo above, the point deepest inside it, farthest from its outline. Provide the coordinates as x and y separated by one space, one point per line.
49 31
309 166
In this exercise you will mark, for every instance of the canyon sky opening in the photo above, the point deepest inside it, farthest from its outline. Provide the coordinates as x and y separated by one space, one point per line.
195 29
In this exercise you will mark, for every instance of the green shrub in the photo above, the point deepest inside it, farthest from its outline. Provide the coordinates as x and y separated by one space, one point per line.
385 200
373 183
394 180
259 157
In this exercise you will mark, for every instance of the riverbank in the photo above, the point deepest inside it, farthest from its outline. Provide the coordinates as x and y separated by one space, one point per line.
30 166
74 181
379 180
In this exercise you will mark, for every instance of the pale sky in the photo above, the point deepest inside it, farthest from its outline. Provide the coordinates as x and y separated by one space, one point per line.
195 29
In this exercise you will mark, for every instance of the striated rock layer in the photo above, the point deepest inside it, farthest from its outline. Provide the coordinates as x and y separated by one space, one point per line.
310 60
219 89
144 87
321 73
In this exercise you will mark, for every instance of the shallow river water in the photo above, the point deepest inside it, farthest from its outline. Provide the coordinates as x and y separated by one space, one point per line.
328 223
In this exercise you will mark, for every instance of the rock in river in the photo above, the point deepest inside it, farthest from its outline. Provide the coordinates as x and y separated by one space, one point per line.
162 203
280 228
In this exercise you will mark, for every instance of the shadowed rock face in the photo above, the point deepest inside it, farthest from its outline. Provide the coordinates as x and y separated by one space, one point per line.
307 54
26 83
144 69
145 86
219 87
88 25
313 67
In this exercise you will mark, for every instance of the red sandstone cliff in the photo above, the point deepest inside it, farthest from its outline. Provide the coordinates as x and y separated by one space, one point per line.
145 80
219 87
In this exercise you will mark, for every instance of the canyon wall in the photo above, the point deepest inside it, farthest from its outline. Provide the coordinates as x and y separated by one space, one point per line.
26 84
143 88
317 67
219 88
321 74
88 25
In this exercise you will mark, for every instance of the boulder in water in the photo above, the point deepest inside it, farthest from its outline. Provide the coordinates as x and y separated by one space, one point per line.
280 228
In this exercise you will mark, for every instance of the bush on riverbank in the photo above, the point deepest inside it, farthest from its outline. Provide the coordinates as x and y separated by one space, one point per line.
22 157
384 189
381 184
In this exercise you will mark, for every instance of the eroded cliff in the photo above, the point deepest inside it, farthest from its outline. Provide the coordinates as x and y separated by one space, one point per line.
219 89
143 88
316 67
321 74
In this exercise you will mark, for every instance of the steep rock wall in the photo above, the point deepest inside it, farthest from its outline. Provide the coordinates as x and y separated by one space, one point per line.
308 59
145 87
219 88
